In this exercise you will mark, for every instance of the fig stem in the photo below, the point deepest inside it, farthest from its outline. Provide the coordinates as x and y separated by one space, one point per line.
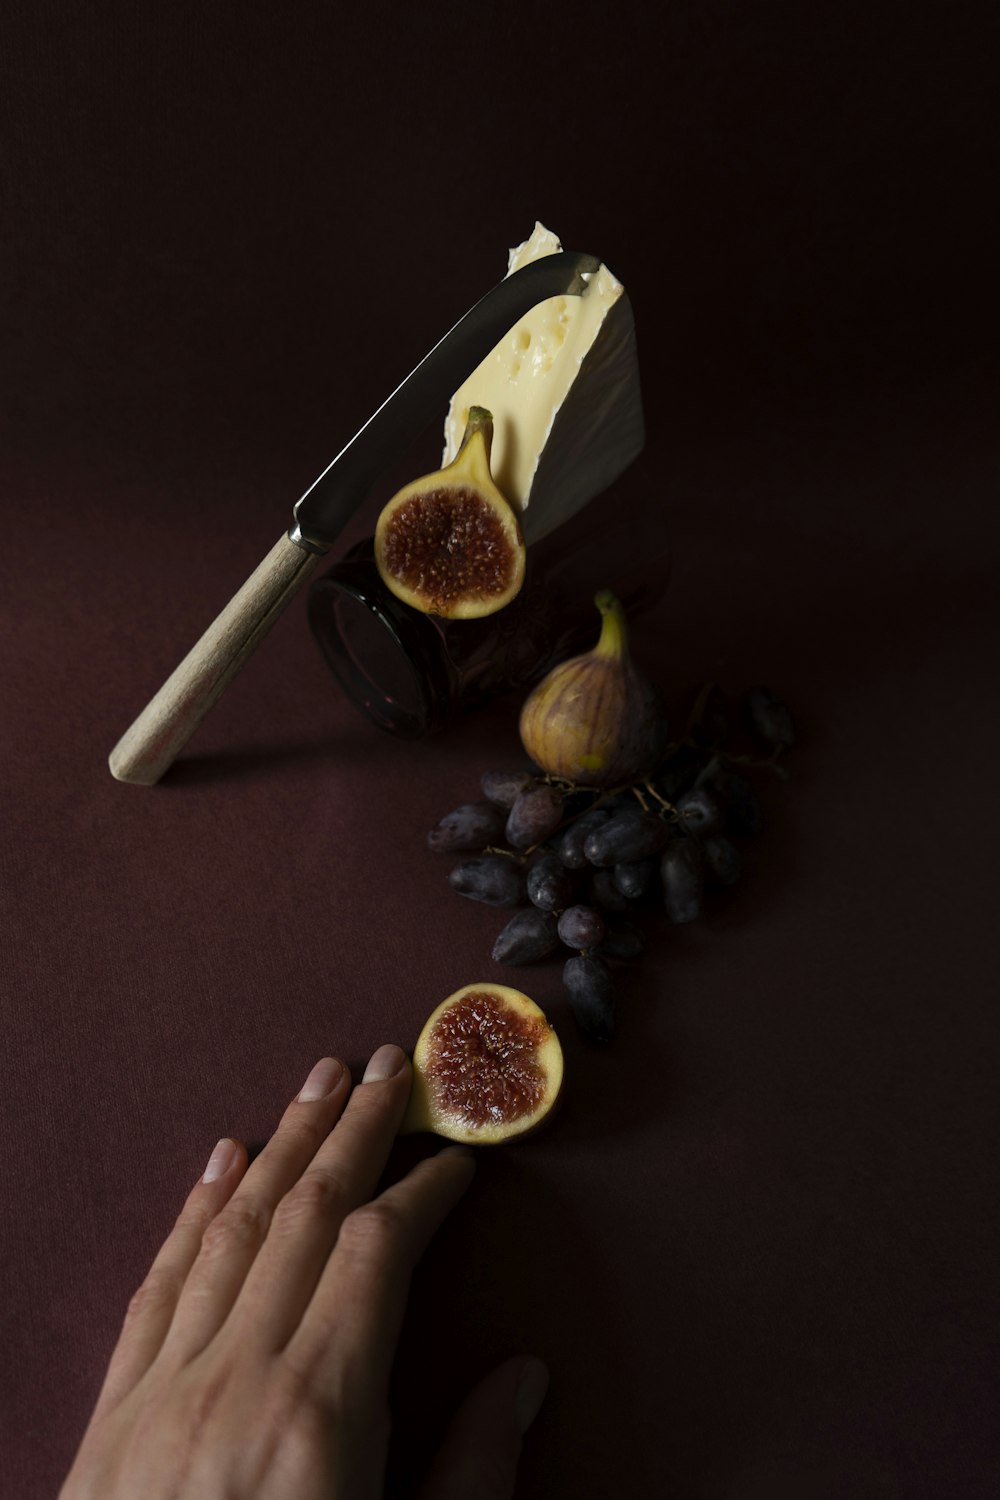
480 420
613 640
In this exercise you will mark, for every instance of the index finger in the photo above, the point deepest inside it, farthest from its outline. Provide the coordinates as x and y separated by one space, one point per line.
347 1338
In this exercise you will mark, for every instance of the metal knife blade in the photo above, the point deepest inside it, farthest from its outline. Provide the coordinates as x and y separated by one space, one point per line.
345 483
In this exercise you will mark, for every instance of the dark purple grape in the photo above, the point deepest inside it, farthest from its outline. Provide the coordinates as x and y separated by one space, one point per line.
626 837
470 826
528 936
701 810
504 787
492 878
723 860
569 845
536 813
634 879
711 716
550 885
743 816
679 772
616 802
591 995
682 875
620 941
605 893
581 927
771 718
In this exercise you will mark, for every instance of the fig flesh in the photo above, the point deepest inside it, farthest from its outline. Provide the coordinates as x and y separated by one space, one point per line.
487 1067
449 543
595 720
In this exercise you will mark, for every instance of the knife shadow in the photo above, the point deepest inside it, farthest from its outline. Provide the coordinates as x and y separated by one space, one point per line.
253 760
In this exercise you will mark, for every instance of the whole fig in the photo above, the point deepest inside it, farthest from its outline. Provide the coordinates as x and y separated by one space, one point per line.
595 719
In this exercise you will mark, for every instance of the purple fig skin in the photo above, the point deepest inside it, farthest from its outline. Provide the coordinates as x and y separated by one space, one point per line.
595 720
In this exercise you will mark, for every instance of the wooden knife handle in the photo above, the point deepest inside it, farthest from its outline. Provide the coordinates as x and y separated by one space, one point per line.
168 721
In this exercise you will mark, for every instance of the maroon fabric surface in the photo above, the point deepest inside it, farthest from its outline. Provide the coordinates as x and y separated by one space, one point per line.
758 1247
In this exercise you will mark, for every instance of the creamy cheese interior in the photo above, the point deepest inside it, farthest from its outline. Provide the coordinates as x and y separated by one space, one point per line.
526 378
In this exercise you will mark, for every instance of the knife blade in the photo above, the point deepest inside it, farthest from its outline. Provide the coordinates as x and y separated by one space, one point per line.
333 497
153 741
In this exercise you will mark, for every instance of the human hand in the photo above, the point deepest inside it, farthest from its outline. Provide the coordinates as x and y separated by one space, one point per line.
254 1359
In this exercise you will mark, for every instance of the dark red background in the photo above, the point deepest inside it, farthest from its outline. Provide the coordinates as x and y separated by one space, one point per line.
758 1248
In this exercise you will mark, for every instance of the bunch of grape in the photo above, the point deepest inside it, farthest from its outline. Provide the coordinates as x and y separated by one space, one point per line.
578 862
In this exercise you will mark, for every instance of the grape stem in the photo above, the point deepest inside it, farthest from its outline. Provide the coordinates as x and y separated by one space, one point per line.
562 783
665 806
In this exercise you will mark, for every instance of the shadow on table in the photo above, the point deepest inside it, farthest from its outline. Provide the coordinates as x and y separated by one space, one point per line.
251 760
515 1270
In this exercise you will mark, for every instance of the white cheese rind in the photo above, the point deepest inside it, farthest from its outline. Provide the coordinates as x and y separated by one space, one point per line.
563 387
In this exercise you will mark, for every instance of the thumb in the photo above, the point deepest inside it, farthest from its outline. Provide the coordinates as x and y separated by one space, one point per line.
478 1459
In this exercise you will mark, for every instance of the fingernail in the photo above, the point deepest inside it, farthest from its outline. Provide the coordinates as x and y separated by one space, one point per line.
531 1388
220 1160
385 1063
322 1080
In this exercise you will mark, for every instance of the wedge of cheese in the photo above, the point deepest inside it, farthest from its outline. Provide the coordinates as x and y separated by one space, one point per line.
563 387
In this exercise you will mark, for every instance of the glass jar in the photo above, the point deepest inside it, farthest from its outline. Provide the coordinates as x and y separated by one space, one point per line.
414 673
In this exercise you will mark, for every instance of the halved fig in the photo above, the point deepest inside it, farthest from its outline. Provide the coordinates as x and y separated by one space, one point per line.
449 544
487 1067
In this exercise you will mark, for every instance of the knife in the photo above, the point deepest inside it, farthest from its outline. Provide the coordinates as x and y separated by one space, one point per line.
150 745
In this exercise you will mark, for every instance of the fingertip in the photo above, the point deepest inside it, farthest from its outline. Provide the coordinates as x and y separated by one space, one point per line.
483 1442
223 1157
323 1078
385 1063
